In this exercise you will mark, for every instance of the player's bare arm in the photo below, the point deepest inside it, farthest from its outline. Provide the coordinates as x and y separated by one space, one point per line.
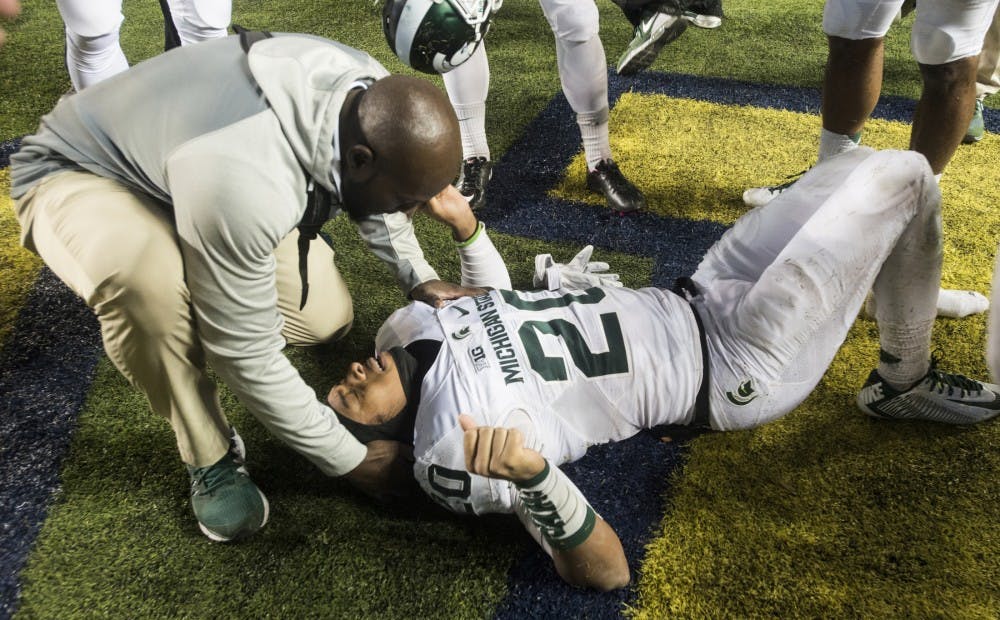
598 561
452 209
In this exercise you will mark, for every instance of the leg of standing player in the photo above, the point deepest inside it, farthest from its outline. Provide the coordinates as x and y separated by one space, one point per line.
987 78
468 86
198 20
655 24
93 52
583 73
946 39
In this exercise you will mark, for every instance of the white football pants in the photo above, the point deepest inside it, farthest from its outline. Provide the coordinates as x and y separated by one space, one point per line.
781 288
93 52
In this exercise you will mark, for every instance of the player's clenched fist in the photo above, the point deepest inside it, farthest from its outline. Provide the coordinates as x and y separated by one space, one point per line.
498 452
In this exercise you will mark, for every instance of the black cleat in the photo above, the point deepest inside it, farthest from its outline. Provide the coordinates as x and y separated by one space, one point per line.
622 195
471 183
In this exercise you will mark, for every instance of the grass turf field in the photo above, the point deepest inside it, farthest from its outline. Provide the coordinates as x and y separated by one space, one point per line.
822 514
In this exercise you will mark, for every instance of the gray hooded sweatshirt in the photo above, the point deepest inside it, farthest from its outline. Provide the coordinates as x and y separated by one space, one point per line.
222 138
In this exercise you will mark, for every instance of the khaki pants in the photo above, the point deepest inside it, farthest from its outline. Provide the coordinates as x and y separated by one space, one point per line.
117 249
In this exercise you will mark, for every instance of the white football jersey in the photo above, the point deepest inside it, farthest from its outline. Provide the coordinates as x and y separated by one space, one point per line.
570 369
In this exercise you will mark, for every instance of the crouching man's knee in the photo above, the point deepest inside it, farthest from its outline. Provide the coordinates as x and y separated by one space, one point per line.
328 312
147 291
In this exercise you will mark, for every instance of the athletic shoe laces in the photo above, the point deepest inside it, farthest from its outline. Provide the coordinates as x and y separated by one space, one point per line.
791 179
470 175
941 381
206 480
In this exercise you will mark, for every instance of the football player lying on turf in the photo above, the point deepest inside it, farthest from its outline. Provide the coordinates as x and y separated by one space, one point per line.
540 376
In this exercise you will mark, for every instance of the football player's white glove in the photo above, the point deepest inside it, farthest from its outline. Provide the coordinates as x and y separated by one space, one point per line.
579 273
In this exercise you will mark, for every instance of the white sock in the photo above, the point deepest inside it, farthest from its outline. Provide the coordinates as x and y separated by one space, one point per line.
468 85
831 144
472 124
903 358
596 140
951 303
956 303
583 73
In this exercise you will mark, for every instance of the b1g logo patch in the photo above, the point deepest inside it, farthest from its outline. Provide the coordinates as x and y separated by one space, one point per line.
479 361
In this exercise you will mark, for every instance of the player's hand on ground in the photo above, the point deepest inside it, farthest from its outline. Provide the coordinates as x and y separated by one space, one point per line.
497 452
436 292
452 209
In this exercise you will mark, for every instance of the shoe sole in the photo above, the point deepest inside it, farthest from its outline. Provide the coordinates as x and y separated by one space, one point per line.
954 422
971 139
220 538
708 22
645 56
599 192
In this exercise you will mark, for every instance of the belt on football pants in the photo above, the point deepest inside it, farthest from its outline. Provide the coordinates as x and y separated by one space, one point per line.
686 289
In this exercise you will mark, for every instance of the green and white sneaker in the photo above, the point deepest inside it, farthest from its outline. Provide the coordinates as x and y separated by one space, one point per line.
226 502
654 31
938 397
976 127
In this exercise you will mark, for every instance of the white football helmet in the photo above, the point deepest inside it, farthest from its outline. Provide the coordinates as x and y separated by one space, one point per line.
435 36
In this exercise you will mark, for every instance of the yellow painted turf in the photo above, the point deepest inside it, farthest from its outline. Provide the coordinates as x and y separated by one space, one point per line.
824 513
18 267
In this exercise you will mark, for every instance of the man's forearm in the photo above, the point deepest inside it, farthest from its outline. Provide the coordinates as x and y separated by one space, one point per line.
585 549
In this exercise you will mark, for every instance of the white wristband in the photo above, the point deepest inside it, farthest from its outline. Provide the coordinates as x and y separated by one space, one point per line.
481 263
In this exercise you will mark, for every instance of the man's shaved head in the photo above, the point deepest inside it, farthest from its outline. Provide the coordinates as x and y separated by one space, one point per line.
410 121
412 133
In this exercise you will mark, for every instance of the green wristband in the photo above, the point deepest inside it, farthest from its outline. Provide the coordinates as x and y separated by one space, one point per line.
475 235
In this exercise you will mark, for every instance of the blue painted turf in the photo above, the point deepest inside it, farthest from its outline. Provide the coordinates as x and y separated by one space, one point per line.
48 361
46 368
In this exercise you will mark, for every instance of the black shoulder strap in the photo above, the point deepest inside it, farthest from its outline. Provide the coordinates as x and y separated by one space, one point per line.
318 205
249 37
318 200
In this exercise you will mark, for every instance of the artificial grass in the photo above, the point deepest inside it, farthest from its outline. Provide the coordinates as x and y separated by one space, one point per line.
829 514
822 514
777 42
17 266
716 151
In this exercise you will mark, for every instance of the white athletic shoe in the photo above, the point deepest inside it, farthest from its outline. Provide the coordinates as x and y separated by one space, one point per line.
655 30
938 397
708 22
760 196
